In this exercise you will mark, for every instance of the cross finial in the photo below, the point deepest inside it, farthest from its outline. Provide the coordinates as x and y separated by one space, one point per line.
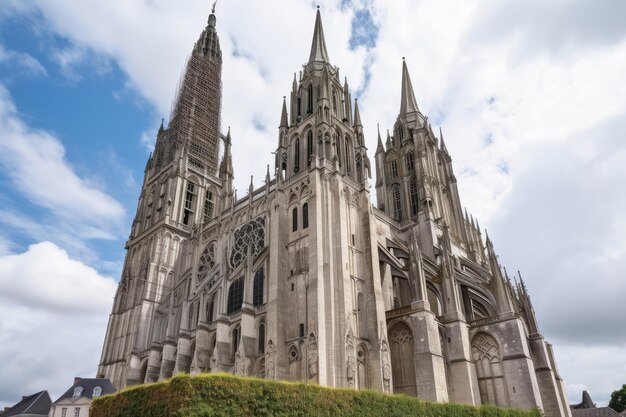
213 8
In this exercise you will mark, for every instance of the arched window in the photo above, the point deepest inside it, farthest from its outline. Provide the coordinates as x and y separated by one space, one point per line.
305 215
294 219
309 109
257 287
261 338
97 391
414 197
309 147
209 206
190 203
210 307
409 160
347 154
402 365
296 156
397 203
360 312
78 391
359 171
235 296
491 382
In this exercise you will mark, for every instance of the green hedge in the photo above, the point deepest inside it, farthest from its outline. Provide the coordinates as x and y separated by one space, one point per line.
227 395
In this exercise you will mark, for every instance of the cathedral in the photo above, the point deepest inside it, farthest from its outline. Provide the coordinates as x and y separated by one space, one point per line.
303 279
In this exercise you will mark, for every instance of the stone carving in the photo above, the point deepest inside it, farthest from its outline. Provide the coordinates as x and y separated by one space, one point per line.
312 357
270 360
386 364
262 368
350 360
240 362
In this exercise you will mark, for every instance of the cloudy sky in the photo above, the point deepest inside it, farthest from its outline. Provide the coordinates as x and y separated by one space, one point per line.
531 97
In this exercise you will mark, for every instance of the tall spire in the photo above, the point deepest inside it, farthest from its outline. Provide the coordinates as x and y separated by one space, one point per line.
357 115
283 115
379 147
318 47
408 103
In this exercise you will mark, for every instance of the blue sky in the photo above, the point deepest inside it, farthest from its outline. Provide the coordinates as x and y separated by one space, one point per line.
532 101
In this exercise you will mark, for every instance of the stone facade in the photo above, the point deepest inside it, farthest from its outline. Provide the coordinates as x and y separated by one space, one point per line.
304 280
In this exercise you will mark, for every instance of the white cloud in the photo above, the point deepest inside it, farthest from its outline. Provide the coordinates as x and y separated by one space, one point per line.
24 62
36 163
53 315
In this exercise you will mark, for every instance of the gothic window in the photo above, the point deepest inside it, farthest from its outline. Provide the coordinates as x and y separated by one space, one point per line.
192 316
257 288
149 208
161 199
414 197
309 147
491 382
360 314
402 365
249 238
209 206
397 203
190 200
294 219
210 307
347 154
78 391
235 296
299 106
207 261
310 99
261 338
393 169
334 102
305 215
97 391
296 156
409 160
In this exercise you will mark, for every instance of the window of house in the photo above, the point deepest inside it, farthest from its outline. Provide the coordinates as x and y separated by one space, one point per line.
305 215
294 219
235 296
77 412
64 412
97 391
209 206
190 199
78 391
257 288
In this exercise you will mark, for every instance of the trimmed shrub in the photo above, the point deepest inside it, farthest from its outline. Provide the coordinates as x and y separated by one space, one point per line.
221 395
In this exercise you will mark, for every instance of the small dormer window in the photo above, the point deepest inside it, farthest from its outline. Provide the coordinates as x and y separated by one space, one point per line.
78 391
97 391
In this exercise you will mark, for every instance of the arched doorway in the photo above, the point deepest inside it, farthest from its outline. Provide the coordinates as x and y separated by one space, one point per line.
402 363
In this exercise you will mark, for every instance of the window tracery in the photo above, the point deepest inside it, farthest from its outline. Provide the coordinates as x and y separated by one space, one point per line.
249 238
207 261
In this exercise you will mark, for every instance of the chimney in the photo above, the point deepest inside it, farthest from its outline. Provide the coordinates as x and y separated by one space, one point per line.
76 379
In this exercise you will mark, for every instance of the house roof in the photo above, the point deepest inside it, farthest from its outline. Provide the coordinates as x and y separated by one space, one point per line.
32 405
88 385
